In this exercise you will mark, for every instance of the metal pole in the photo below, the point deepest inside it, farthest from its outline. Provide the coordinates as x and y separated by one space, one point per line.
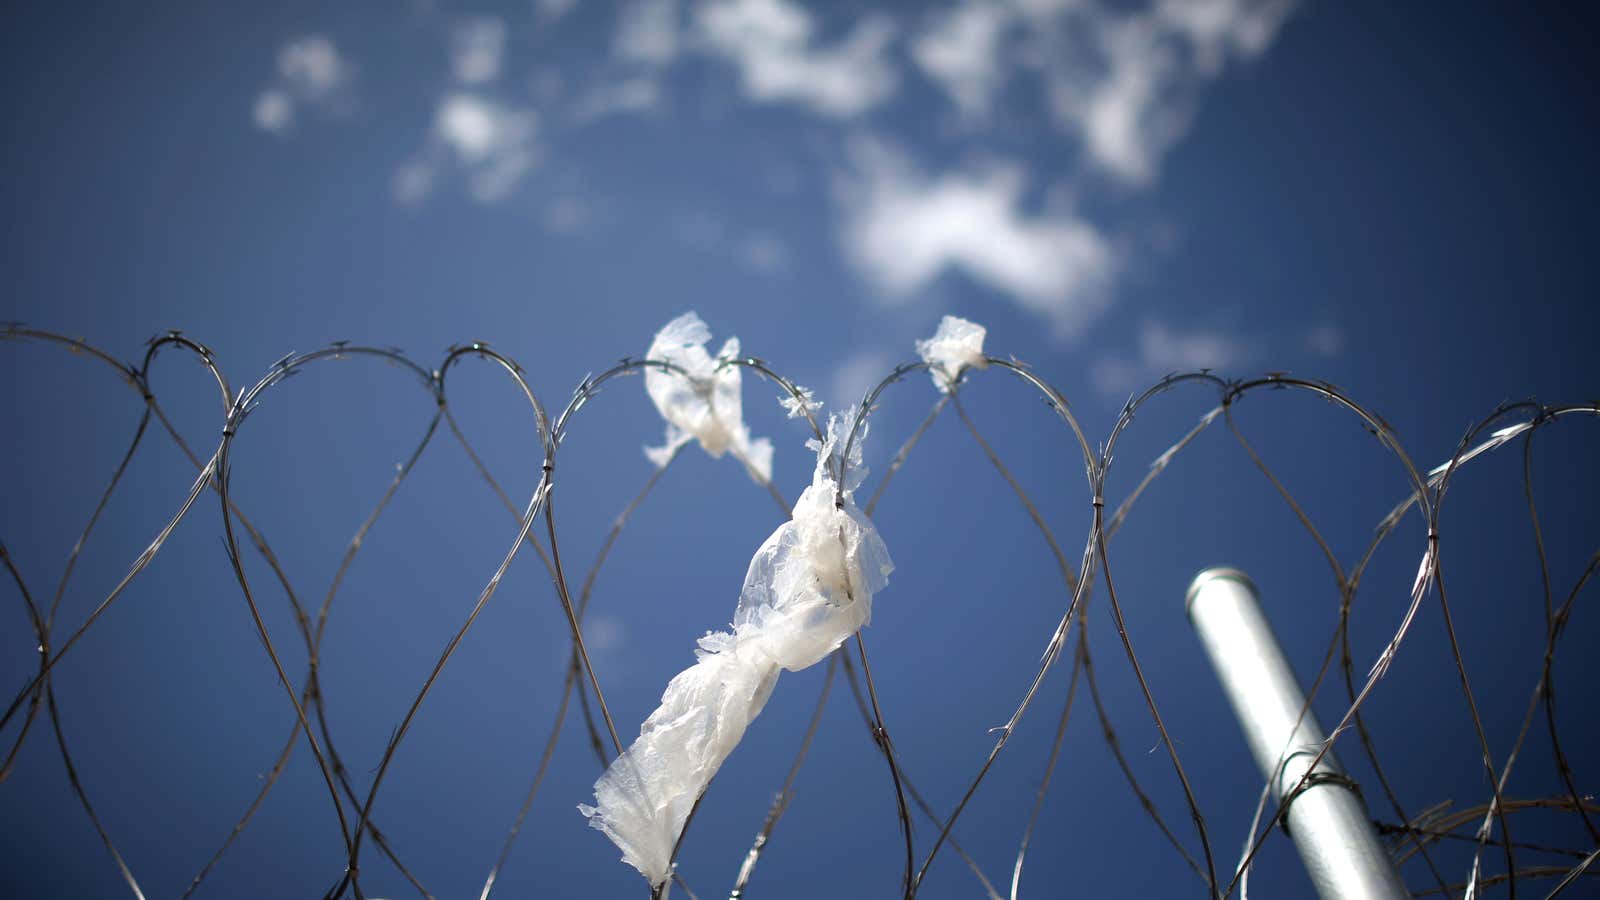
1326 818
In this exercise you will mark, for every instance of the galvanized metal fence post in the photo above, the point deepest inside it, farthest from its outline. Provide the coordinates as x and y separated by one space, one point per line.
1326 817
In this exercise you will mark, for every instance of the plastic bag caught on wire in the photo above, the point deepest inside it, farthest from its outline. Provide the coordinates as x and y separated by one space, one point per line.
808 589
957 345
704 402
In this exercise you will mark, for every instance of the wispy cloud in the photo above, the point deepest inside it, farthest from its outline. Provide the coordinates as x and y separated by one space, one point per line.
1161 348
273 111
1113 85
771 43
1132 96
477 50
1218 28
312 68
647 32
1124 79
491 146
903 229
551 10
311 75
961 50
631 95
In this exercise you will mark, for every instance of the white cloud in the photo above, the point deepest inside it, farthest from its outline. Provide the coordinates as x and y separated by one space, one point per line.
1127 120
311 74
647 32
312 69
413 182
960 50
273 111
477 50
491 145
1122 78
1132 98
551 10
770 42
1217 27
631 95
469 125
903 230
1163 349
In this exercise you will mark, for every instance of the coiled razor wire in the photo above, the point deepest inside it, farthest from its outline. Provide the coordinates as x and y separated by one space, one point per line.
1485 826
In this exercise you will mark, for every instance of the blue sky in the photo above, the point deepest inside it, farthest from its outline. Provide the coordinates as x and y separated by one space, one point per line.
1397 201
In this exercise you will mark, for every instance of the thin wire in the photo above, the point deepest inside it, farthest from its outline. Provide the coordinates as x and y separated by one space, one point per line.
1425 497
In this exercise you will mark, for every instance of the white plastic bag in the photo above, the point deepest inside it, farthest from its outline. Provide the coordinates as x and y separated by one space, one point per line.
957 345
808 589
704 403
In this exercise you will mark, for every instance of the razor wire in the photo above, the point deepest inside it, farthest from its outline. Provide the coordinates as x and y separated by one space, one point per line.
1411 835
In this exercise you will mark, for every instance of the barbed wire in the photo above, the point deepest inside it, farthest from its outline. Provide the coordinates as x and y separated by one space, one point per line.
1410 837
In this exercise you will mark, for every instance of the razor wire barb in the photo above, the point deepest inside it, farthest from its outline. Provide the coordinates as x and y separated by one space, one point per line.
1411 836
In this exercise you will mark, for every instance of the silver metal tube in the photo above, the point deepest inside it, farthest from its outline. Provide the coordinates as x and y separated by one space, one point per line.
1327 818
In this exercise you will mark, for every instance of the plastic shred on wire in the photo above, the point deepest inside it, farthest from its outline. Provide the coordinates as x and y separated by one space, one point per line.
956 346
702 403
804 403
808 589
